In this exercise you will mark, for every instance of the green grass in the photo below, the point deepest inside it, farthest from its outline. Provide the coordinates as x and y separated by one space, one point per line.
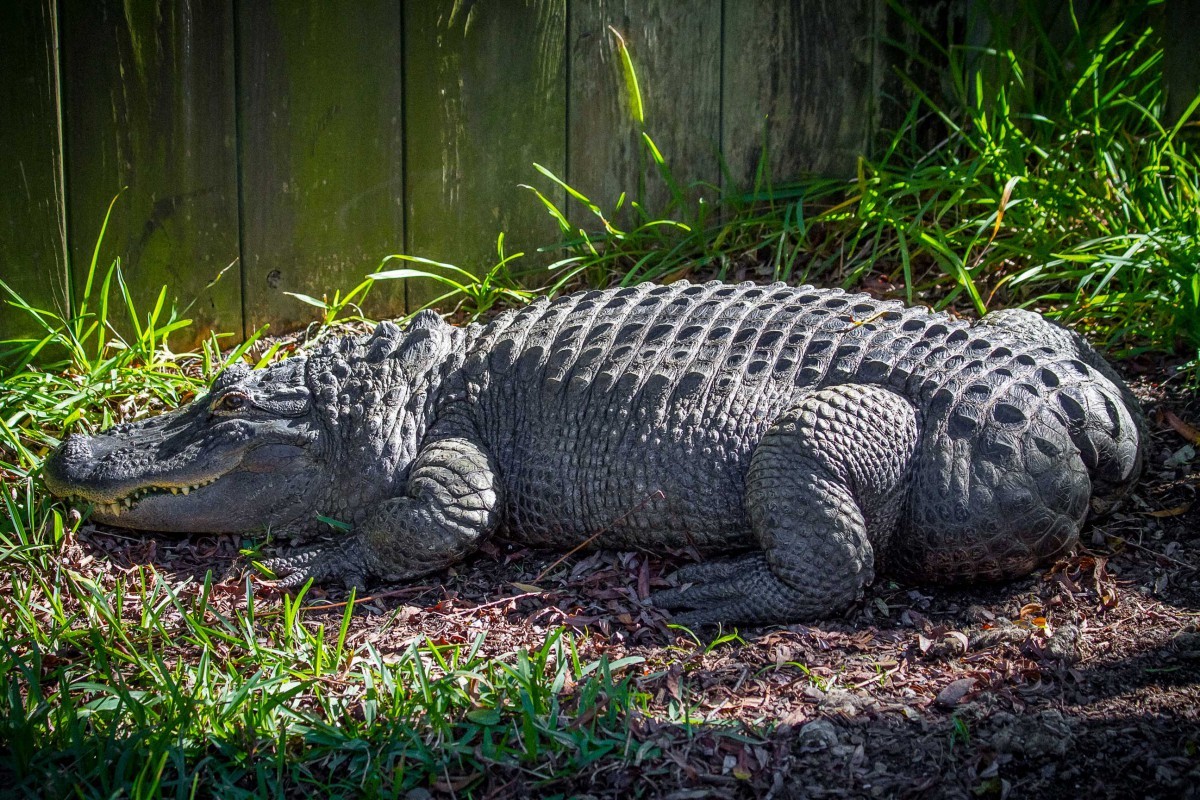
176 695
1060 184
1057 185
474 294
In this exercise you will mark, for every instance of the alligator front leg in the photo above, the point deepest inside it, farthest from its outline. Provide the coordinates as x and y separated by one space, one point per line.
451 503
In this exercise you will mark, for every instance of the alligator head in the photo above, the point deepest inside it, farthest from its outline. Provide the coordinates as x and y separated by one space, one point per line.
329 433
242 456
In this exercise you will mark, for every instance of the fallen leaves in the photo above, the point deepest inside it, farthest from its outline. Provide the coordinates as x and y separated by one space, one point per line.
1184 429
954 693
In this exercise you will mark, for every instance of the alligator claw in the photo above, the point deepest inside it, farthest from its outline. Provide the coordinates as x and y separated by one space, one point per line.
704 590
319 563
705 605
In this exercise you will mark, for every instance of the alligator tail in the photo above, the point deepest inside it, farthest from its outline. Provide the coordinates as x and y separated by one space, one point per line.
1104 419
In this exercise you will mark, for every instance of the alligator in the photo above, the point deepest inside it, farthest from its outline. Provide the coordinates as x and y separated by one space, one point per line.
802 440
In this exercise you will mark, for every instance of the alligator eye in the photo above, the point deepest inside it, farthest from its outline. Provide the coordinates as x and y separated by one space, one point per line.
234 401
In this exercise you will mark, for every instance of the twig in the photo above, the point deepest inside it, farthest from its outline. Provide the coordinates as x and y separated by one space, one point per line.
367 599
876 678
1155 553
490 603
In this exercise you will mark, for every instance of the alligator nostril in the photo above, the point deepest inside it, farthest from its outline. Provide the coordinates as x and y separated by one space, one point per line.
67 464
76 446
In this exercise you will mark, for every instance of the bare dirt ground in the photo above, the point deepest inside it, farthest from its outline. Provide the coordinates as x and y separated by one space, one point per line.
1081 680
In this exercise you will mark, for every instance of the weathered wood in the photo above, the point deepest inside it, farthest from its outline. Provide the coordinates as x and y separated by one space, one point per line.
32 236
377 127
320 105
907 59
806 70
677 57
1181 68
485 99
148 93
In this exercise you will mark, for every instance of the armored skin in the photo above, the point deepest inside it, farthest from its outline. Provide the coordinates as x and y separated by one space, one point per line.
810 438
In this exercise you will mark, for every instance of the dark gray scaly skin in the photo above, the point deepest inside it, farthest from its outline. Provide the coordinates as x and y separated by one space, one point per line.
820 437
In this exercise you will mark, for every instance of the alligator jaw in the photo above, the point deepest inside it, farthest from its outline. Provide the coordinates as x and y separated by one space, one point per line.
114 506
243 491
121 483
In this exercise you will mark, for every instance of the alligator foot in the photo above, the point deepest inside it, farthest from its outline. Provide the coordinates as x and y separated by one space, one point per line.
742 589
343 561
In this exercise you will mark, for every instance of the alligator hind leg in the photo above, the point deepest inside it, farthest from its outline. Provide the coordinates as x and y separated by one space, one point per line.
825 489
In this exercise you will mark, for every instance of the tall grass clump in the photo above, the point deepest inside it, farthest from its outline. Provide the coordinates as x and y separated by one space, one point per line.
78 369
1060 184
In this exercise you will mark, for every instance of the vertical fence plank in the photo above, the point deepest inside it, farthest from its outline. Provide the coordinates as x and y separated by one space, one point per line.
148 92
805 69
677 59
320 117
485 100
32 250
1181 67
909 59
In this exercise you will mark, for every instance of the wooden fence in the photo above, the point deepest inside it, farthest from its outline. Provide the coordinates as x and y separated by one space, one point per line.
287 145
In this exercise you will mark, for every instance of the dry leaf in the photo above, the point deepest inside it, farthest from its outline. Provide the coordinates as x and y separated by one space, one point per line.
1171 512
954 692
1182 428
1030 610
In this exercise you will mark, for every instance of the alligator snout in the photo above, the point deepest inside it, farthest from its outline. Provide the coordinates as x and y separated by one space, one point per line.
80 454
77 447
69 464
94 467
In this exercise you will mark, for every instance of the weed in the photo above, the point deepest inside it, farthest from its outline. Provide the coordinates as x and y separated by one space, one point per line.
820 682
476 294
332 310
960 733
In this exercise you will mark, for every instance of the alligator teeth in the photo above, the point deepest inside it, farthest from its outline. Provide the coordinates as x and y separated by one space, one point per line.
117 506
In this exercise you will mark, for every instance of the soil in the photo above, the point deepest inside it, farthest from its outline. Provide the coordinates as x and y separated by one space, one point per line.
1082 680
